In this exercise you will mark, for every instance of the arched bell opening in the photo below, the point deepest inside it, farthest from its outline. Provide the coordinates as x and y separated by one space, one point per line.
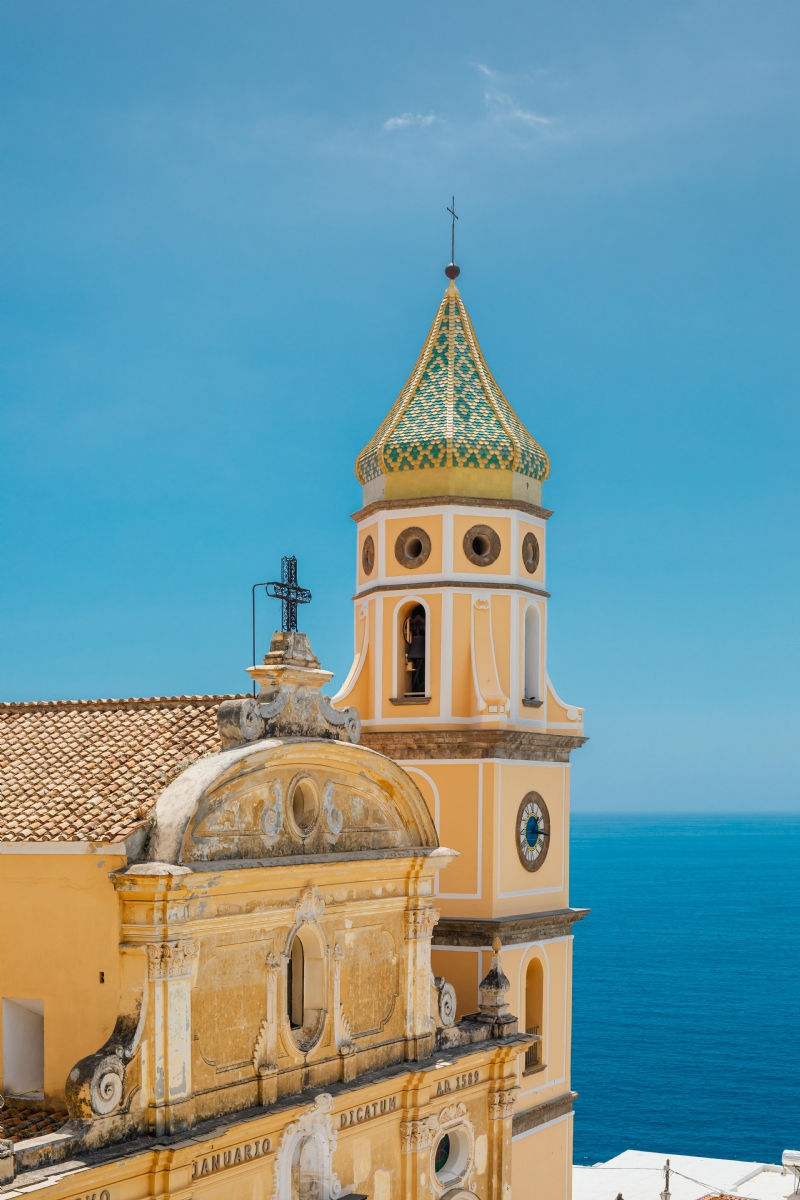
532 682
534 1012
305 986
412 650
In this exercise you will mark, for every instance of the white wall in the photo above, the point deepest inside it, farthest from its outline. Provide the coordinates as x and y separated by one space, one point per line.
23 1046
533 686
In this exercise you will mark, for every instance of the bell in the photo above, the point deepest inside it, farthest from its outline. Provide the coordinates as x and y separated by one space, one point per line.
417 648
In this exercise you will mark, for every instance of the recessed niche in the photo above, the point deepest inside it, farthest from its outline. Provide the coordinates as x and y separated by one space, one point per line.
412 548
304 806
368 555
482 545
530 552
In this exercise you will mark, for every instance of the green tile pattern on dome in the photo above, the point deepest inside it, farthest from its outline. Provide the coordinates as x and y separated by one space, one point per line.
451 413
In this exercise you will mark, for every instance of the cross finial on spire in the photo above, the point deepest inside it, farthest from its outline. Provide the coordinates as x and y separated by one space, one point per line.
289 592
451 270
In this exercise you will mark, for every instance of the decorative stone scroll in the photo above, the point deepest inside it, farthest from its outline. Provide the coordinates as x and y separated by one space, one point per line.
310 907
333 816
445 1000
96 1085
272 813
171 960
290 702
106 1086
342 1034
453 1112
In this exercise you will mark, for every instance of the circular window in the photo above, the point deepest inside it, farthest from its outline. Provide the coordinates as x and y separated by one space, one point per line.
412 548
482 545
533 831
442 1153
530 552
368 555
304 806
451 1156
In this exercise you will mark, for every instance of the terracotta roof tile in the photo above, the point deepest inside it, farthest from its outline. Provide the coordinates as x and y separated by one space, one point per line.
19 1124
91 770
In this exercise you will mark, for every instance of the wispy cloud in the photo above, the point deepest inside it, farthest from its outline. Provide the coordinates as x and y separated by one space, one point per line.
486 70
407 119
519 114
506 109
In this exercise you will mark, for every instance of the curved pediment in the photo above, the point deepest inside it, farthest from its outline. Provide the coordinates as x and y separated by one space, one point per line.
283 797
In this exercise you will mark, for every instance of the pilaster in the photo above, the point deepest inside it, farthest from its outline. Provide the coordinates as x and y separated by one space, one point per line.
170 967
419 923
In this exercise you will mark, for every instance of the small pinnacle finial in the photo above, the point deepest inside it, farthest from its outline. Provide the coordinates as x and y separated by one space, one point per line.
451 270
497 945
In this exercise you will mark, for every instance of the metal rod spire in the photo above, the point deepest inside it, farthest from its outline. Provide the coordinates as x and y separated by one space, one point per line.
454 215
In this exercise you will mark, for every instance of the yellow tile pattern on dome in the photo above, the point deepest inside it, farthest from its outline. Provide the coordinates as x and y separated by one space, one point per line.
451 411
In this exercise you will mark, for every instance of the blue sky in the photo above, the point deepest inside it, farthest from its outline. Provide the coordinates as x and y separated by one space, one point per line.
222 234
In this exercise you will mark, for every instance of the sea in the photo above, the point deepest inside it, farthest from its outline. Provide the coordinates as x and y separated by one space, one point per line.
686 996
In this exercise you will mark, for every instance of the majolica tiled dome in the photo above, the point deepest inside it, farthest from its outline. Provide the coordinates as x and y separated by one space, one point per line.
451 416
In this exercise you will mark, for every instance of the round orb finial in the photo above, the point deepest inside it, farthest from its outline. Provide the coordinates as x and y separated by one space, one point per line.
452 271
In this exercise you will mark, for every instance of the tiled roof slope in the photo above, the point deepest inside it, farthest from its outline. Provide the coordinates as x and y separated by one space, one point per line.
19 1124
90 770
451 412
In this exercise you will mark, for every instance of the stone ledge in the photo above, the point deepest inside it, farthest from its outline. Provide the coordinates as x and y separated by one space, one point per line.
531 1117
462 501
513 744
438 585
528 927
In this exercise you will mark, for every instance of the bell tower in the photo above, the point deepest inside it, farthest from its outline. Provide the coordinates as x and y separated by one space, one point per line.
450 679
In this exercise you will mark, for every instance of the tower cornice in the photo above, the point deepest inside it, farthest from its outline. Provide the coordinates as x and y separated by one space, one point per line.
480 584
377 506
472 742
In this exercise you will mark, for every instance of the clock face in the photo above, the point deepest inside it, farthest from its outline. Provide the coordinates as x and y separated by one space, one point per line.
533 831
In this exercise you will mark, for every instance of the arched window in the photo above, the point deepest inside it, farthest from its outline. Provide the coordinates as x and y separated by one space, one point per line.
532 689
305 986
295 988
534 1012
412 650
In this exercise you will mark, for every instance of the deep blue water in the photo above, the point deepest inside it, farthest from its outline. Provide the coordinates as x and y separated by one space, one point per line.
686 1002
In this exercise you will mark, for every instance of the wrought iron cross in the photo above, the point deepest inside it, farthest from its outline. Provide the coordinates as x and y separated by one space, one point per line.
454 215
289 592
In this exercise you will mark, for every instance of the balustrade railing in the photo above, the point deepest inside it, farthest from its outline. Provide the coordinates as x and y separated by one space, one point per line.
533 1055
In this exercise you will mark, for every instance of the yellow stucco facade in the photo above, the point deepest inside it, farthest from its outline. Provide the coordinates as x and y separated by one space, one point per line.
336 958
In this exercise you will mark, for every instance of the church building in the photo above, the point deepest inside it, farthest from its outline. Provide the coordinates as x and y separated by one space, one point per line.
286 946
